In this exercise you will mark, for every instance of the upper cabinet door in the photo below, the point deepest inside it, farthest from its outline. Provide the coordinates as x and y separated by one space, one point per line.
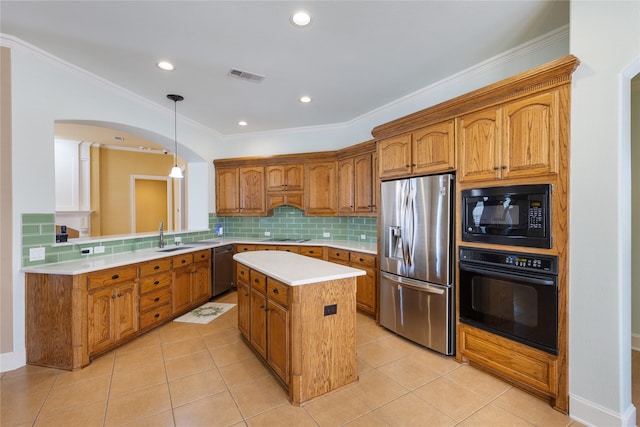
227 196
364 184
531 136
345 187
252 194
285 178
395 156
478 141
434 149
321 192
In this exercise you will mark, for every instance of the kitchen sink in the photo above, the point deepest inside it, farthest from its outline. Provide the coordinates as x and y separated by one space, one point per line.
175 248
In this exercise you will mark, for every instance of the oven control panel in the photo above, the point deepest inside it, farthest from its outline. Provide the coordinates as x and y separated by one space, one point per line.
514 260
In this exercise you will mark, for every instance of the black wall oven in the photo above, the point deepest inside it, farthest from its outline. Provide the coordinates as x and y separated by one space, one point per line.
511 294
515 215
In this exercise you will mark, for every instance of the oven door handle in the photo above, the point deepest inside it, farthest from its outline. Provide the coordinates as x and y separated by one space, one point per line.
534 280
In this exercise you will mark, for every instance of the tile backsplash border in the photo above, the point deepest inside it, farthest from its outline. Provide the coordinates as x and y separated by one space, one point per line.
38 231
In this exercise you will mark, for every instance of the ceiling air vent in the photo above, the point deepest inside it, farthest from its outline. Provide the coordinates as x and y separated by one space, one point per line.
245 75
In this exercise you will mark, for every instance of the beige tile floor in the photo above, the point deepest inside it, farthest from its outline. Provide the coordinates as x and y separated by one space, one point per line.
204 375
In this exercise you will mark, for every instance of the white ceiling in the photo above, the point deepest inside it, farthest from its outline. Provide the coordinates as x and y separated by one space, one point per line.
355 57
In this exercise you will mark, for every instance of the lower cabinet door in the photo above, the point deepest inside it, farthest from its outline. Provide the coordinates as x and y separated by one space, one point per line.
258 329
126 309
101 325
244 309
278 340
181 290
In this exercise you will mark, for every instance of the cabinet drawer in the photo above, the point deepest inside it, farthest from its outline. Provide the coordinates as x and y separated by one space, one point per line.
245 248
258 281
112 275
202 255
155 266
266 247
289 248
278 291
362 259
338 255
155 282
242 273
155 299
157 315
311 251
182 260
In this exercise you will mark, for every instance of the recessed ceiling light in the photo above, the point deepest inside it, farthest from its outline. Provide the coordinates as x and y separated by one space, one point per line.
242 123
166 66
301 19
305 99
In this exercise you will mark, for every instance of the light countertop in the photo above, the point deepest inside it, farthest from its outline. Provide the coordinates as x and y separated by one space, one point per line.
293 269
95 263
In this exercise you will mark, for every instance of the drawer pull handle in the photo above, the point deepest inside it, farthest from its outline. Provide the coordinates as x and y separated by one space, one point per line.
242 273
361 259
256 280
113 296
156 282
156 299
155 267
156 315
115 276
275 291
183 261
311 252
246 295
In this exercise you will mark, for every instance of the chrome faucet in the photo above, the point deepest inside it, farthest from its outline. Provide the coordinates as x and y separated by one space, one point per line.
161 242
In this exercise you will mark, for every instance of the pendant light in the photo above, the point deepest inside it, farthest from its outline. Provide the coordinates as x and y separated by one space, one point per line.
176 172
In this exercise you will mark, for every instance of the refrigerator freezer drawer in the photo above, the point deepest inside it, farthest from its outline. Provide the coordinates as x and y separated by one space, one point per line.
421 314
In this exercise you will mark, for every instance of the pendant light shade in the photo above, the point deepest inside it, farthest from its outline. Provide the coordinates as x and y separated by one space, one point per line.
176 172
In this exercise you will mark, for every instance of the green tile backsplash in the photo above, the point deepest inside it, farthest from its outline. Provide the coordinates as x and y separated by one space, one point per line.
38 230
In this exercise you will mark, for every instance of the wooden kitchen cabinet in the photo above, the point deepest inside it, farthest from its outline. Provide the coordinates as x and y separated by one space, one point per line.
112 307
240 191
321 189
424 151
356 185
285 178
258 310
155 292
278 355
517 140
244 297
191 280
366 286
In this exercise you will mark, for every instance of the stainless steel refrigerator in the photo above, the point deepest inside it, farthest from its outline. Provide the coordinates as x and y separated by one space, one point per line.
416 274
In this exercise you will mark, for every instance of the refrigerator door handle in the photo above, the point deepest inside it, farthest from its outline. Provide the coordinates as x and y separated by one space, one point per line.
410 283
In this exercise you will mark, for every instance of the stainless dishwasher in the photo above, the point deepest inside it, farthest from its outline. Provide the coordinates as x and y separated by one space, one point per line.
221 270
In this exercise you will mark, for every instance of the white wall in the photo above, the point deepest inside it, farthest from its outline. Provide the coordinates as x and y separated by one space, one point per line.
635 212
605 36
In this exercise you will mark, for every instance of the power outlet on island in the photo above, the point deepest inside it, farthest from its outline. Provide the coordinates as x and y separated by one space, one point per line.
36 254
330 309
326 234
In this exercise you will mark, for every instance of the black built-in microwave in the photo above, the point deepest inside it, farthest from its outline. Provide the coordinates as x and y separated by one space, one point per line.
515 215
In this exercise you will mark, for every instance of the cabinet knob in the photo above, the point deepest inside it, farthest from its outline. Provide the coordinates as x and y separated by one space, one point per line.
115 276
156 282
183 261
256 280
275 291
413 164
113 297
156 299
246 295
119 295
156 315
495 168
242 272
504 166
155 267
361 259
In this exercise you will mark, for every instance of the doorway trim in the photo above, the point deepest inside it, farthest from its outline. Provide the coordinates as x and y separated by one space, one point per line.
168 181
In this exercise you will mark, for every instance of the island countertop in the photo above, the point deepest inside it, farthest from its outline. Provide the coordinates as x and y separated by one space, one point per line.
293 269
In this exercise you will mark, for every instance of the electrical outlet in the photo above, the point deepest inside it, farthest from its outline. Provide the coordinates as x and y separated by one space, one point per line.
98 249
86 251
267 233
363 236
221 232
178 239
326 234
36 254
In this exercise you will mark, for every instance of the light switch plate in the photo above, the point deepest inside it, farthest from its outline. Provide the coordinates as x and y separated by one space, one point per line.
36 254
326 234
363 236
100 249
267 233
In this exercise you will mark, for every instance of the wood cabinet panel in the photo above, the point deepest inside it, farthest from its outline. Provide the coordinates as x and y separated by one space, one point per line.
155 266
112 275
258 329
155 316
181 289
154 282
479 145
346 187
278 356
321 191
227 191
252 194
282 178
434 149
364 180
278 292
530 138
244 312
155 299
112 315
312 251
394 156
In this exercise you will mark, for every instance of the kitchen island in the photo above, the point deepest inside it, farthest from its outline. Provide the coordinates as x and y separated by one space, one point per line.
299 315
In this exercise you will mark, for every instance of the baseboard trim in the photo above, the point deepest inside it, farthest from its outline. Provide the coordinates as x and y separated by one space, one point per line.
591 414
635 342
12 361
